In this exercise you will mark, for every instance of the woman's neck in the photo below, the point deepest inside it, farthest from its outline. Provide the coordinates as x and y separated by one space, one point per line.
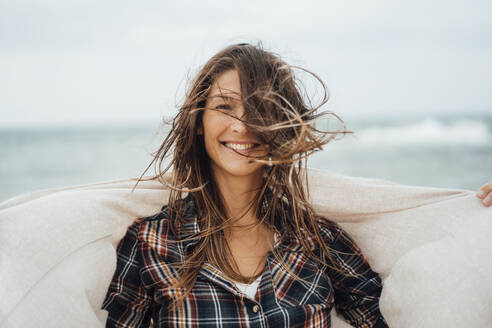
238 193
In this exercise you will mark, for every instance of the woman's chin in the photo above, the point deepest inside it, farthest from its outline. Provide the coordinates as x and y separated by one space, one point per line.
240 170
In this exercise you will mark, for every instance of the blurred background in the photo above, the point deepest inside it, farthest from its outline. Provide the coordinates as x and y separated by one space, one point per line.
85 84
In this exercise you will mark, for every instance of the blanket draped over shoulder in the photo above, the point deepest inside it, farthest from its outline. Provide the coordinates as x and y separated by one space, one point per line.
431 246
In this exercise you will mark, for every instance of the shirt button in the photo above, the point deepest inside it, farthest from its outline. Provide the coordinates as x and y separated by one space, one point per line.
256 308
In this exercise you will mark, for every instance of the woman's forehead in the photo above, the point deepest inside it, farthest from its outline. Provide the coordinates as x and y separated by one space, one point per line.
226 84
224 94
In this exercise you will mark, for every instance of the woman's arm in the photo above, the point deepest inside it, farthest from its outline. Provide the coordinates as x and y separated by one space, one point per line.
357 294
127 300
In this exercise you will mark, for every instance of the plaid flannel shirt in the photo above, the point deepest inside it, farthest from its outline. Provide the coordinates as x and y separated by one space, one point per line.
138 297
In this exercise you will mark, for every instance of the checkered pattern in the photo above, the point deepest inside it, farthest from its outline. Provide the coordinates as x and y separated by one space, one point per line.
138 295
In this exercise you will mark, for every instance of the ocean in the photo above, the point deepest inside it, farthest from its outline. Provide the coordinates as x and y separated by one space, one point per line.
448 151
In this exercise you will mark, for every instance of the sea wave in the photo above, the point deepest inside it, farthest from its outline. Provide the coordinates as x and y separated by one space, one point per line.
429 131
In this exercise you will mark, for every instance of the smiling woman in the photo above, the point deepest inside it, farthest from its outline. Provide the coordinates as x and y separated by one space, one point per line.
228 140
238 145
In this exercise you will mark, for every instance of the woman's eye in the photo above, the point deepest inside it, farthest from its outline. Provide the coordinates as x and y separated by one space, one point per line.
223 106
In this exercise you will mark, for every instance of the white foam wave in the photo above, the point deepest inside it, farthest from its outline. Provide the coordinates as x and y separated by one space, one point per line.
427 132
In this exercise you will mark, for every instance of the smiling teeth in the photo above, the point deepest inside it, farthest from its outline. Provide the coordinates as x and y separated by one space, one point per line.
239 146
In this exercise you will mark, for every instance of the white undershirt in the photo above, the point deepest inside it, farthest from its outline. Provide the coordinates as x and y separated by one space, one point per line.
250 289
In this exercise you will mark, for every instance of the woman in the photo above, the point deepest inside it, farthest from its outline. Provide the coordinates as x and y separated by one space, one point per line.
244 247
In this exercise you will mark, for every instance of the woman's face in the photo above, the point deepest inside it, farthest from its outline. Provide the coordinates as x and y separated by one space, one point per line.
226 137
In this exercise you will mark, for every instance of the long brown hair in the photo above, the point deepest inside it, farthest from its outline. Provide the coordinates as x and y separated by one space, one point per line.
276 112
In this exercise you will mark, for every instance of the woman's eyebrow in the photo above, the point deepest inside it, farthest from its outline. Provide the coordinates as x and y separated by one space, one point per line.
224 97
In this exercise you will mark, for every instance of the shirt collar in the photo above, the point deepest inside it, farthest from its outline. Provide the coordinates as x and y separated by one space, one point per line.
189 230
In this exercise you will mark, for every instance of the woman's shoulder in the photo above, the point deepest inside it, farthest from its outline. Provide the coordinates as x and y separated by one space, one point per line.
336 237
147 229
155 238
329 230
159 229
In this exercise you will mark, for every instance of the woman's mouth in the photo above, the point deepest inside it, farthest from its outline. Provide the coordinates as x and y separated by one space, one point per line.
242 148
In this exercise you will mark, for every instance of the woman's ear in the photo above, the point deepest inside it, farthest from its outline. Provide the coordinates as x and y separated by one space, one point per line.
199 131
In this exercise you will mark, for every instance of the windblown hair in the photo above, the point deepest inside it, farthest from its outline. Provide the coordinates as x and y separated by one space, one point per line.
277 114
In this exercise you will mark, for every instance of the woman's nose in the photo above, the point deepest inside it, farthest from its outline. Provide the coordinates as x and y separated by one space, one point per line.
238 126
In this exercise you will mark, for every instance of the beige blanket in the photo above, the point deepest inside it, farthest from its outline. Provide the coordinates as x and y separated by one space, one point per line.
431 246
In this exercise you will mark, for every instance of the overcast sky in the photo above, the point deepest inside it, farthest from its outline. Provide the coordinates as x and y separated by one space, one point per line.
87 61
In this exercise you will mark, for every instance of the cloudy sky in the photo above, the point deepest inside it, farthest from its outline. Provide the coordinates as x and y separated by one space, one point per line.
87 61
